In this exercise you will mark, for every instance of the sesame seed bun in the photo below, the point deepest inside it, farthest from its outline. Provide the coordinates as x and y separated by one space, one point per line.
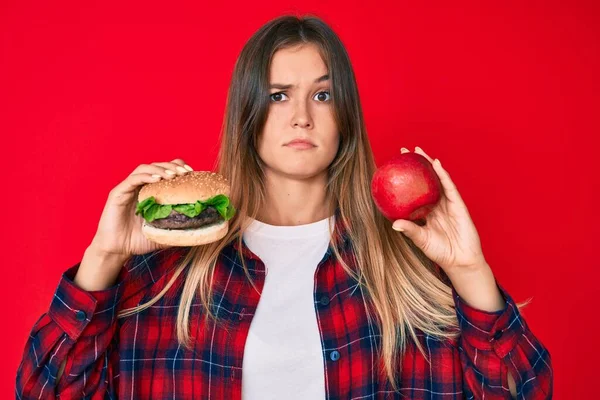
184 189
188 188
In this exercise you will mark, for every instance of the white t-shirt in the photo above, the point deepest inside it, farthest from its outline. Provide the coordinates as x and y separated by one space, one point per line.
283 357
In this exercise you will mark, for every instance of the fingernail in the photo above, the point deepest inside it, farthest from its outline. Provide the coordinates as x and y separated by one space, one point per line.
188 167
418 148
404 149
438 161
181 169
156 176
170 172
397 228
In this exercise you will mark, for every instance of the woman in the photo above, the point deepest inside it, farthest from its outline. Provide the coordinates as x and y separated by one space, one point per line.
350 308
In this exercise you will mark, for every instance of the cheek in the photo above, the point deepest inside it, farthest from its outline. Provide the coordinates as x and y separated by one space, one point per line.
333 149
333 139
266 137
270 135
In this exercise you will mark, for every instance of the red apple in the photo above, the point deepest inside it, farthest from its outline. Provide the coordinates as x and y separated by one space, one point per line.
406 187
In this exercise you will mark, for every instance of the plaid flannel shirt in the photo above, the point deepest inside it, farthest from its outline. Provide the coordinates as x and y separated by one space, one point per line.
138 357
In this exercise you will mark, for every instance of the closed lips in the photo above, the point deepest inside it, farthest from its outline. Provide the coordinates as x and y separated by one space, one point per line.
300 141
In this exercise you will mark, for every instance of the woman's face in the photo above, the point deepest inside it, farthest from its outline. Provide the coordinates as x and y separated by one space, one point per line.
301 110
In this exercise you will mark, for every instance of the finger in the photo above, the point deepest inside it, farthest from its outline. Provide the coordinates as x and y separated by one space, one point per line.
173 167
450 190
413 231
421 152
133 182
179 161
404 150
157 170
447 184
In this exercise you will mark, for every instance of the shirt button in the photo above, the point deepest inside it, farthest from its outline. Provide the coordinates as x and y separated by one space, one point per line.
334 355
324 300
498 335
80 315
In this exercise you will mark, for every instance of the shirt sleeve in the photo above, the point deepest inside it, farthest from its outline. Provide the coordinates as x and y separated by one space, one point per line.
494 343
78 327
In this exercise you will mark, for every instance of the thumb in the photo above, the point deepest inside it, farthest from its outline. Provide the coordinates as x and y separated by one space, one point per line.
161 246
410 229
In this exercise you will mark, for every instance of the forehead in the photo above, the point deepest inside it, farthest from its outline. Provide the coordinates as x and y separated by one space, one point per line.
297 63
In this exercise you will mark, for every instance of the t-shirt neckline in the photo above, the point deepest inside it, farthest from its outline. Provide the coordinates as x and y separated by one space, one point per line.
312 229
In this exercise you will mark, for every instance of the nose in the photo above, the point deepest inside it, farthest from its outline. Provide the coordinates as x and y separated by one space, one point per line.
301 116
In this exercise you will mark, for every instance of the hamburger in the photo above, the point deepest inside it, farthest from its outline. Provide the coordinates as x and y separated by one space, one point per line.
187 210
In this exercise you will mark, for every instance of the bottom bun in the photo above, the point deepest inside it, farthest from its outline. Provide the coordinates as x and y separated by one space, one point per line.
186 237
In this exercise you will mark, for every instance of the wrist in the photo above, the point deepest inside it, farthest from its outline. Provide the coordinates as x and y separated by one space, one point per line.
98 270
96 252
477 287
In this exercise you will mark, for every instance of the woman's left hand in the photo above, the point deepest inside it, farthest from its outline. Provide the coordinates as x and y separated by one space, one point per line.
449 237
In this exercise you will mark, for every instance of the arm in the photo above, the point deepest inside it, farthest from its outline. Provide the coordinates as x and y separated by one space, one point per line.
494 338
496 346
76 336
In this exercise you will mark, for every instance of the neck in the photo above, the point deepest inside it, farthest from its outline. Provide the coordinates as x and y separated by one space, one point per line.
292 201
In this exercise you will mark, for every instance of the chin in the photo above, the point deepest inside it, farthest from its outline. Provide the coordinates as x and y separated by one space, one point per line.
300 172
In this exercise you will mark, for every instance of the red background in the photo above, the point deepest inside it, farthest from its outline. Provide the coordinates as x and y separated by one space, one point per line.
505 95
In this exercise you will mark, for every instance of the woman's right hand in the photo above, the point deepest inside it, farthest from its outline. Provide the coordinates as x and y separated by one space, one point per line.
120 230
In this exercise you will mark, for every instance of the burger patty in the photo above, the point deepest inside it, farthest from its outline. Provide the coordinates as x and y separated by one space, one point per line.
175 220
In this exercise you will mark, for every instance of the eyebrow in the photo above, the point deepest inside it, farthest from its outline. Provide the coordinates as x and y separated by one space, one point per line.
283 87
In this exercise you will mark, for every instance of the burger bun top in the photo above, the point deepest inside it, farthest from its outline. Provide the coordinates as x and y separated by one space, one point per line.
187 188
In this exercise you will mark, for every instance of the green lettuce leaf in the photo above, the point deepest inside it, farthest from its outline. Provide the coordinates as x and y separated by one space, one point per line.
150 210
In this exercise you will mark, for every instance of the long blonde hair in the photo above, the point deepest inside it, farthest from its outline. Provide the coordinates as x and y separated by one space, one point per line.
406 289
